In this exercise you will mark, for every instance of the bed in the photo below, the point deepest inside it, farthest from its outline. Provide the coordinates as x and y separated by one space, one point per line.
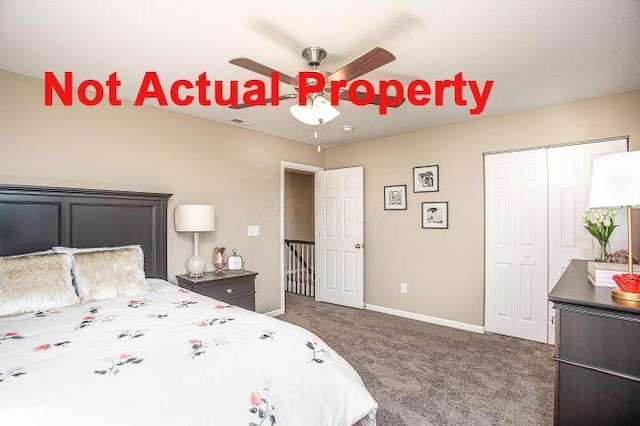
171 357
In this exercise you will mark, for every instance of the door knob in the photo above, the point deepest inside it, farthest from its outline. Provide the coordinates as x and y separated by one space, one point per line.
359 246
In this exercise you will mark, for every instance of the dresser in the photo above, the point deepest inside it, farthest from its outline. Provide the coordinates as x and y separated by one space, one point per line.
234 287
597 353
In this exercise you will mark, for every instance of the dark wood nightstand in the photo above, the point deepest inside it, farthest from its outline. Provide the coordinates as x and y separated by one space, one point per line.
236 287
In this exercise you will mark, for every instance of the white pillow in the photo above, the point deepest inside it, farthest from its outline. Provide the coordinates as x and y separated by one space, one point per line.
72 250
35 253
107 274
35 282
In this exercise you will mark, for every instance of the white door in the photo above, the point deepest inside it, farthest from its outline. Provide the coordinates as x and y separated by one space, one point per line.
569 182
339 237
516 244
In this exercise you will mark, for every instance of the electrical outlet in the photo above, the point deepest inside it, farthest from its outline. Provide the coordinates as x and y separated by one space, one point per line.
403 288
253 231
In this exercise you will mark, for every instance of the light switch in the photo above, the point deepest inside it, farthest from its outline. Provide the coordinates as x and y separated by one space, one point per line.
253 230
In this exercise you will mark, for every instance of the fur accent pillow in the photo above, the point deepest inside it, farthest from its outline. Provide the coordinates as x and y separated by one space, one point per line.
71 250
35 282
109 274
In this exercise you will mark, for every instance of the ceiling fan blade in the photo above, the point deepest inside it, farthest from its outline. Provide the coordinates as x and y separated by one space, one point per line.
257 67
282 98
368 62
376 99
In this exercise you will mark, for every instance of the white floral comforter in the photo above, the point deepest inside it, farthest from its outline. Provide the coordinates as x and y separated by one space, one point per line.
172 358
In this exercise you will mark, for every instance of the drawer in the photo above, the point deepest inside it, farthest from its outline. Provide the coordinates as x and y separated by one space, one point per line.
597 338
592 398
248 301
225 290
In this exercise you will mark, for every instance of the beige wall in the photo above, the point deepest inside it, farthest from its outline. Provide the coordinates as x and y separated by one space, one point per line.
299 206
238 171
444 268
151 149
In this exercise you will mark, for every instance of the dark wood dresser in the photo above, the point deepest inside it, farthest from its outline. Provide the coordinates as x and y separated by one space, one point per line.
236 288
597 353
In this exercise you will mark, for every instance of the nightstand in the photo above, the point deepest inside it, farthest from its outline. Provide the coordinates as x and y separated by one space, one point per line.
234 287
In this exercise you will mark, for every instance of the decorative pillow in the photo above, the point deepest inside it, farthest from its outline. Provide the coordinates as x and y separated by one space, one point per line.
35 282
71 250
108 274
35 253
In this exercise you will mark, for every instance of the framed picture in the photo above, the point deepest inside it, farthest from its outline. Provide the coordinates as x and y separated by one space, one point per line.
425 179
395 197
435 215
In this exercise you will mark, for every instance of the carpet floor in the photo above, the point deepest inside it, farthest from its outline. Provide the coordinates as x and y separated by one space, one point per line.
423 374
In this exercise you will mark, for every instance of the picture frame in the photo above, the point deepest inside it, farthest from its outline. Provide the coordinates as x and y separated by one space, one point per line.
426 178
395 197
435 215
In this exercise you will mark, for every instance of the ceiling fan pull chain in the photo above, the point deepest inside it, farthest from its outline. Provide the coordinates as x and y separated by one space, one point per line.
316 133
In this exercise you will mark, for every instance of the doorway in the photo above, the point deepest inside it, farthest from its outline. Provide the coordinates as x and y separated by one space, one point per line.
297 229
327 264
533 204
299 232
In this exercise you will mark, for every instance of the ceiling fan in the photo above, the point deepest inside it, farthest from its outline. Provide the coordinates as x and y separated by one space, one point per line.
314 55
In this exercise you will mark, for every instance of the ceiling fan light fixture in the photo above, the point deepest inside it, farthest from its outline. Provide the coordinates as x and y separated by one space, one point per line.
320 111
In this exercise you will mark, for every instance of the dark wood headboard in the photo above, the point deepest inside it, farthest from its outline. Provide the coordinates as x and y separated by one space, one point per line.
34 218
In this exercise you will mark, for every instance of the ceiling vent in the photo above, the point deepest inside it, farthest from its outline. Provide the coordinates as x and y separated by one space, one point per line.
240 122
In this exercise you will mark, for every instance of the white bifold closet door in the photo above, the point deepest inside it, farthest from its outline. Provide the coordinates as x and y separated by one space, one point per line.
516 244
533 206
569 183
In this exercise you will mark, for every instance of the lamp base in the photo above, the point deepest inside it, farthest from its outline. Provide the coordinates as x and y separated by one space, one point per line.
626 295
195 266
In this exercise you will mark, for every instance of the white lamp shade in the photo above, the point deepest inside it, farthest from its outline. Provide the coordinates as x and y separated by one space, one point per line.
195 218
615 180
312 113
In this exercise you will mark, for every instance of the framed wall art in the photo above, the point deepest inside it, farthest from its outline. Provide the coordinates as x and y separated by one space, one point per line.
425 179
435 215
395 197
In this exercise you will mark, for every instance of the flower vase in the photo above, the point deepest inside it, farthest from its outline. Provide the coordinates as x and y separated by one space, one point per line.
602 251
219 260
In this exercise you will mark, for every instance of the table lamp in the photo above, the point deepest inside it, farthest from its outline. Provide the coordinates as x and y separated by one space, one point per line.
195 218
615 182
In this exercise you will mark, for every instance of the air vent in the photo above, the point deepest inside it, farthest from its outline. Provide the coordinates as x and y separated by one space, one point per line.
241 122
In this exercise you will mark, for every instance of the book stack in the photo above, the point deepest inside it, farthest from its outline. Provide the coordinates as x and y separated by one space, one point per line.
601 273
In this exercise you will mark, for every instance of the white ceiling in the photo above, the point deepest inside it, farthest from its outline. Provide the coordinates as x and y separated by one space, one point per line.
539 52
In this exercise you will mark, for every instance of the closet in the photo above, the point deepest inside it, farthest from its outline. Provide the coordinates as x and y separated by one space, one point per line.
534 200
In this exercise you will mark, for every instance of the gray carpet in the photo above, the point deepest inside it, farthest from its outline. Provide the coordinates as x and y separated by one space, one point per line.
423 374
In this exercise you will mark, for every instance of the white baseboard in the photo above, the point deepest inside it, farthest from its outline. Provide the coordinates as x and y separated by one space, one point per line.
426 318
275 313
